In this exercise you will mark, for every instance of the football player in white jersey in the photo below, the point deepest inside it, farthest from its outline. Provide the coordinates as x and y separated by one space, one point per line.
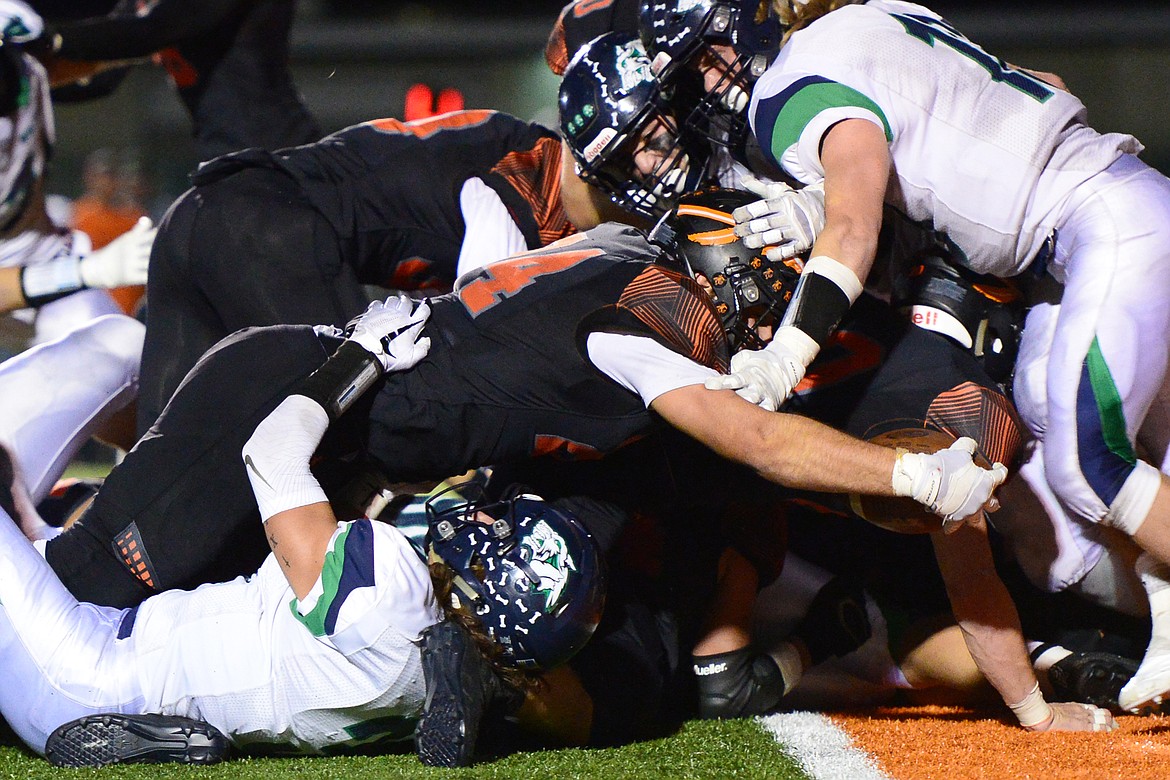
41 262
893 107
188 673
616 153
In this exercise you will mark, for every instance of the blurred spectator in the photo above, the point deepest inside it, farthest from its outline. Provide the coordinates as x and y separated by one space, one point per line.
110 205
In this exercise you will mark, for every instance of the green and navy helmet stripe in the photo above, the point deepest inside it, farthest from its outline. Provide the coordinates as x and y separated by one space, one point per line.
1103 446
789 111
348 566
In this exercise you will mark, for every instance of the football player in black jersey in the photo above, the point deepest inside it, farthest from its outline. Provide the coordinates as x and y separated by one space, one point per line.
291 237
572 351
228 59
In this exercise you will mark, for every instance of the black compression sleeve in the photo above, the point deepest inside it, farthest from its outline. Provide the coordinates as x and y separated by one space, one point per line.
817 307
344 377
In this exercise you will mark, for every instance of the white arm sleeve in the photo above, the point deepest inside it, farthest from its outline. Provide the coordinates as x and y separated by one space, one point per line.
642 365
491 234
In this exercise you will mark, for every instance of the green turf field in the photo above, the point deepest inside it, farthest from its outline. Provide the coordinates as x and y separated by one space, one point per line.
709 749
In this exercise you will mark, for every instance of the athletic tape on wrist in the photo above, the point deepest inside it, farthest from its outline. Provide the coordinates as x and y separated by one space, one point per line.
822 297
900 480
45 282
1032 710
787 658
346 375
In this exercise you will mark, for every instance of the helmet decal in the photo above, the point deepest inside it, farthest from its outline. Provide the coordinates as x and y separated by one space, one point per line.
714 237
598 144
632 66
548 558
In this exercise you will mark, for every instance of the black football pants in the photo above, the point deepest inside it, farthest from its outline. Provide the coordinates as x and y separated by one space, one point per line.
246 250
179 510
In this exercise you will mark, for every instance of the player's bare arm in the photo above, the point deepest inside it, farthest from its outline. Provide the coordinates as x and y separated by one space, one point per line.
991 627
856 160
784 448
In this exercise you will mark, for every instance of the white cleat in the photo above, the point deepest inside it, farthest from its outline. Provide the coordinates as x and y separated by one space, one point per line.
1150 687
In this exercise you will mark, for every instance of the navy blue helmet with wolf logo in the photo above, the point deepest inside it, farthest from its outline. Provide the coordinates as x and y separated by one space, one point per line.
531 574
610 104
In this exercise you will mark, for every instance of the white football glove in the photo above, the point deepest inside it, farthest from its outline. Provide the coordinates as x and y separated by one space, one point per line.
787 221
121 262
389 330
766 377
948 482
19 23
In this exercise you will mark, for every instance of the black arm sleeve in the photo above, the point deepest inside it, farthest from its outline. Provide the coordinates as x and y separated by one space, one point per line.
126 36
347 374
817 307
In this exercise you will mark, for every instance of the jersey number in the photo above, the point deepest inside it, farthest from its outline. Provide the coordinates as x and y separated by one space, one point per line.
930 30
508 277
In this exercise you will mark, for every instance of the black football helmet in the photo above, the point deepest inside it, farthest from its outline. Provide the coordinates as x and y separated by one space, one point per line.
983 313
533 577
676 35
750 290
610 107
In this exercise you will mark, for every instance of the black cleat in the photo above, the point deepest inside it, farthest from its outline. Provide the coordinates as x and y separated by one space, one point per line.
460 686
1091 678
99 740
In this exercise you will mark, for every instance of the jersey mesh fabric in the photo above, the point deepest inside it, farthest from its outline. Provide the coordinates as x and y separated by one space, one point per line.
257 673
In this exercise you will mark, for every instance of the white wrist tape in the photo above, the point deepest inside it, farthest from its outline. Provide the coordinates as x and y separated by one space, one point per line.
840 274
902 479
1032 710
277 455
46 282
787 657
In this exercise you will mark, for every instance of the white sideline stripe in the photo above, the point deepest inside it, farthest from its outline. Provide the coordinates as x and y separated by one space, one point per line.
823 751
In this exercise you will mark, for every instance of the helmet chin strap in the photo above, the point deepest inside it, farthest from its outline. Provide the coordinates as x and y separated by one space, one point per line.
457 580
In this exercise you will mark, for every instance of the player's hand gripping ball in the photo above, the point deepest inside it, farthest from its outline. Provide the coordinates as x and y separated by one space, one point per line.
905 515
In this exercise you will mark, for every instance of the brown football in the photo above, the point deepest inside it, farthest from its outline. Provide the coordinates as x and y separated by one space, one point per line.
905 515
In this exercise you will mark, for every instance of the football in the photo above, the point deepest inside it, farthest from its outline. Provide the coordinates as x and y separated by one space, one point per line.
905 515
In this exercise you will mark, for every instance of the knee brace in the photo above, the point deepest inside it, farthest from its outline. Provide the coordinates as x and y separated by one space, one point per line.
737 684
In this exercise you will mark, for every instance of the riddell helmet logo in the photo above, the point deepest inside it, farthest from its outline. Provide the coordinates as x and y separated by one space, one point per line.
599 143
710 669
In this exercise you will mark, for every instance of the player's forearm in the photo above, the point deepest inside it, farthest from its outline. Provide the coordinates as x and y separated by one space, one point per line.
11 294
856 162
787 449
985 612
804 454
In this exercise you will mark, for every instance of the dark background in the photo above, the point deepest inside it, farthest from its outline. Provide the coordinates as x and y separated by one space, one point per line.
353 60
